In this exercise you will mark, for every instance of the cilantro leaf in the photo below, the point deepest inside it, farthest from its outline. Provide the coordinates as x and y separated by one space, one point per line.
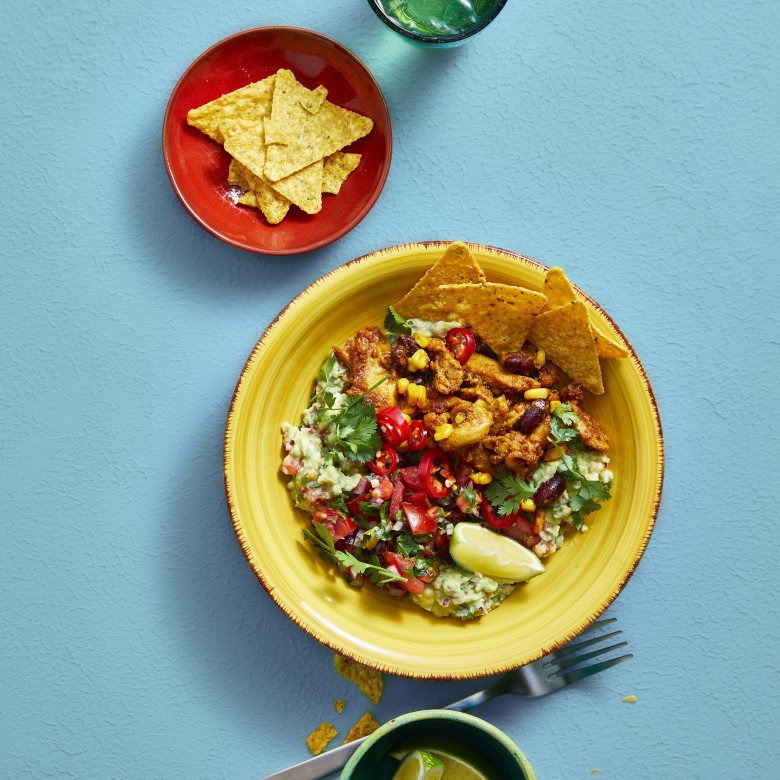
507 491
561 421
357 432
323 541
395 323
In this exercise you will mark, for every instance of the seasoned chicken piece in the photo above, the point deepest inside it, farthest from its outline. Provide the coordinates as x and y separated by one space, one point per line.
470 423
516 450
484 369
448 374
477 391
367 356
571 393
479 458
589 430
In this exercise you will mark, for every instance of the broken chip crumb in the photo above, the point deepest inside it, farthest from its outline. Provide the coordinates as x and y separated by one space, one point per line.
594 771
319 738
338 705
631 698
365 726
368 680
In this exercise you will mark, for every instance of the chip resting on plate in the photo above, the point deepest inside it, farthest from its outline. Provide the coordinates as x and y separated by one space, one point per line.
455 266
244 107
288 139
560 291
565 334
307 137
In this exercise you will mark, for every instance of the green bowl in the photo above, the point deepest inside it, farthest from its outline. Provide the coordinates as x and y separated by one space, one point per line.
466 736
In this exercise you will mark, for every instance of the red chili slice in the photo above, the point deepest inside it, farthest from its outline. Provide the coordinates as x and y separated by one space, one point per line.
385 460
491 518
434 464
461 342
392 425
418 435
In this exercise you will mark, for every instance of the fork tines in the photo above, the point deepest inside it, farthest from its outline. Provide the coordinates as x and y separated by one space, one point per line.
570 655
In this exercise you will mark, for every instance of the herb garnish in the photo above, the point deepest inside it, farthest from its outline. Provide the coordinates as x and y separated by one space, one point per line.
354 425
395 323
344 560
506 491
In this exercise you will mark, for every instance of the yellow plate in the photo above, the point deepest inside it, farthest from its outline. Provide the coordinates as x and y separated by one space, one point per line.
366 624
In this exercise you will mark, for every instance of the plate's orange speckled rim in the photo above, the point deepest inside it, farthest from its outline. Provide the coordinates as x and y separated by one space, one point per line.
356 654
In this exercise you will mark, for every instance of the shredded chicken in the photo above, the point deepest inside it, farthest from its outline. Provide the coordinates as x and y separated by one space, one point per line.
367 356
490 372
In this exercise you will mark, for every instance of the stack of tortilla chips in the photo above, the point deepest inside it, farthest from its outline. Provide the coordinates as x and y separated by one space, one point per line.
505 316
285 140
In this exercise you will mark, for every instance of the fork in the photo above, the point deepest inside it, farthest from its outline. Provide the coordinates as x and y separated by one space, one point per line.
547 675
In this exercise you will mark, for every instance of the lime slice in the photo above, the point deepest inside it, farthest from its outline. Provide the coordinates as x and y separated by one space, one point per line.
476 548
456 768
420 765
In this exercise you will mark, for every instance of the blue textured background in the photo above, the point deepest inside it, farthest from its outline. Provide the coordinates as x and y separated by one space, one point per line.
635 143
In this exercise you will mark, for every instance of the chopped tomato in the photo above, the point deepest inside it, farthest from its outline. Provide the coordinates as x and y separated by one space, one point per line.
385 460
461 342
395 499
420 520
419 498
405 567
434 470
522 529
491 518
337 525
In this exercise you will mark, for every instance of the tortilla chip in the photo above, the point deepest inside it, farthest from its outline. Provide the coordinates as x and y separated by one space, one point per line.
501 314
319 738
365 726
558 289
309 137
338 705
337 167
314 100
609 348
565 334
259 195
303 188
368 680
455 266
246 106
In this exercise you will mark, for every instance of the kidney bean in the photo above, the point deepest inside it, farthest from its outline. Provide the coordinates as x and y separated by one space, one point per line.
519 363
533 415
548 491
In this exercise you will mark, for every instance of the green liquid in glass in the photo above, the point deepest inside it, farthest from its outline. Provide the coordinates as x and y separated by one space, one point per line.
436 17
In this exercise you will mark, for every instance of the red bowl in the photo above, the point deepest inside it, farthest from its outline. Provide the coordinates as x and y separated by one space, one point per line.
198 166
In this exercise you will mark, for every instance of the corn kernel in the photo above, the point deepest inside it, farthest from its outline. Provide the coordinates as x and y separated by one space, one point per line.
554 405
419 360
369 540
481 477
417 395
536 393
423 341
540 358
539 517
481 403
402 384
407 417
443 431
459 418
528 505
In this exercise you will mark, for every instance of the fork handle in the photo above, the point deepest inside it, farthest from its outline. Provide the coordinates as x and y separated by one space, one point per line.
480 697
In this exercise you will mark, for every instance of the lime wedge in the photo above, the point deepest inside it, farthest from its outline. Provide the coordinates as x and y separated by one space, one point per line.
456 768
476 548
420 765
